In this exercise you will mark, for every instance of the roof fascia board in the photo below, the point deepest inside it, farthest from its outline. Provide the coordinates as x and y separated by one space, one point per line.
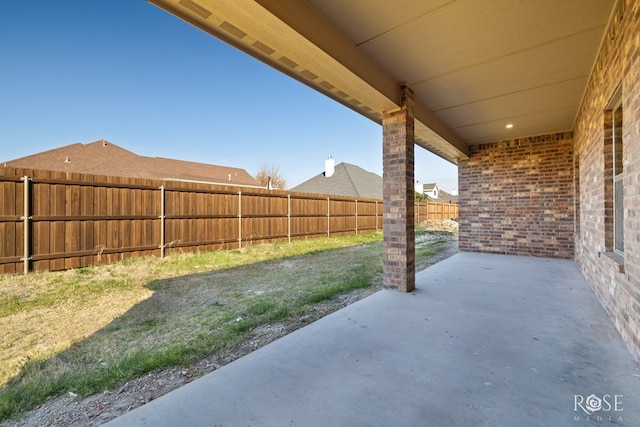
297 31
248 13
313 26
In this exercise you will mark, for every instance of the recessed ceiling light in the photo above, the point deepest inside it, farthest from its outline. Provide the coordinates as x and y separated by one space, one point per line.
509 126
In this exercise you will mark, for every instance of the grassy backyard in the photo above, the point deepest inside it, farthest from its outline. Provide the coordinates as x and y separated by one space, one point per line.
87 330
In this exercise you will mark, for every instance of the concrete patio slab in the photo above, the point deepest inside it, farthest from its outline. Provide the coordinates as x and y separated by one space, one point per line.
485 340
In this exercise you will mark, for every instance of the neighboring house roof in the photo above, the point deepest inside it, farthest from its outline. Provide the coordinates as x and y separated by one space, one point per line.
347 180
429 187
105 158
447 197
441 195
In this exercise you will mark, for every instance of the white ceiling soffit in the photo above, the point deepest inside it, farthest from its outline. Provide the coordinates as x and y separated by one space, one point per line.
353 80
479 65
474 65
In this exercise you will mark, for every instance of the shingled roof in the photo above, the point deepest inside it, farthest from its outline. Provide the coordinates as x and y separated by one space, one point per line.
104 158
347 180
445 197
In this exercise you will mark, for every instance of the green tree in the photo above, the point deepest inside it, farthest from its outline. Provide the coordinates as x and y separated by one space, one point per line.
421 197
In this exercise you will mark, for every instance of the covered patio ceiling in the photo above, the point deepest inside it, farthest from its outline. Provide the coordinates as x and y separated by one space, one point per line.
475 66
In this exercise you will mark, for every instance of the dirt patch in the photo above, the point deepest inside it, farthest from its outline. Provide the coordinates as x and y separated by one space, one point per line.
69 410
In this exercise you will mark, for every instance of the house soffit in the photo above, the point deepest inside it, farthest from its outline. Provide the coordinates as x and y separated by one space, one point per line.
474 66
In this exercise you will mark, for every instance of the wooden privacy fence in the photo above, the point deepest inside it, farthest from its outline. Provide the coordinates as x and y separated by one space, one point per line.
57 220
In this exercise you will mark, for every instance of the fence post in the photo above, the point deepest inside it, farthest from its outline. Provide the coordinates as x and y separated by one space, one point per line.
239 219
162 220
25 221
356 216
376 215
289 217
328 218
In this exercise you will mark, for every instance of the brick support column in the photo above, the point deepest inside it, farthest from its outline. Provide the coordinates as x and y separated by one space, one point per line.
399 193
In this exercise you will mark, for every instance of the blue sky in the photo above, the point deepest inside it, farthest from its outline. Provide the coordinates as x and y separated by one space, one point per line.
128 72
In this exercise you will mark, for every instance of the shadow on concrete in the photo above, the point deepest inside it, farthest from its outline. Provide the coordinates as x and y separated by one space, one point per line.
484 340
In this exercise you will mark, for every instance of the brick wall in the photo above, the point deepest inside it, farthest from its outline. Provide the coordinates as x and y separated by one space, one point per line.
516 197
615 280
398 260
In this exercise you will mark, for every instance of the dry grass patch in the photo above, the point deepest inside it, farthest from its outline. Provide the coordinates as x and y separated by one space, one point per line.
85 331
51 312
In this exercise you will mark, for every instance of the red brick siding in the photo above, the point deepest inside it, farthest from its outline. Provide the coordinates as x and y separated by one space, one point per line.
616 284
516 197
398 261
